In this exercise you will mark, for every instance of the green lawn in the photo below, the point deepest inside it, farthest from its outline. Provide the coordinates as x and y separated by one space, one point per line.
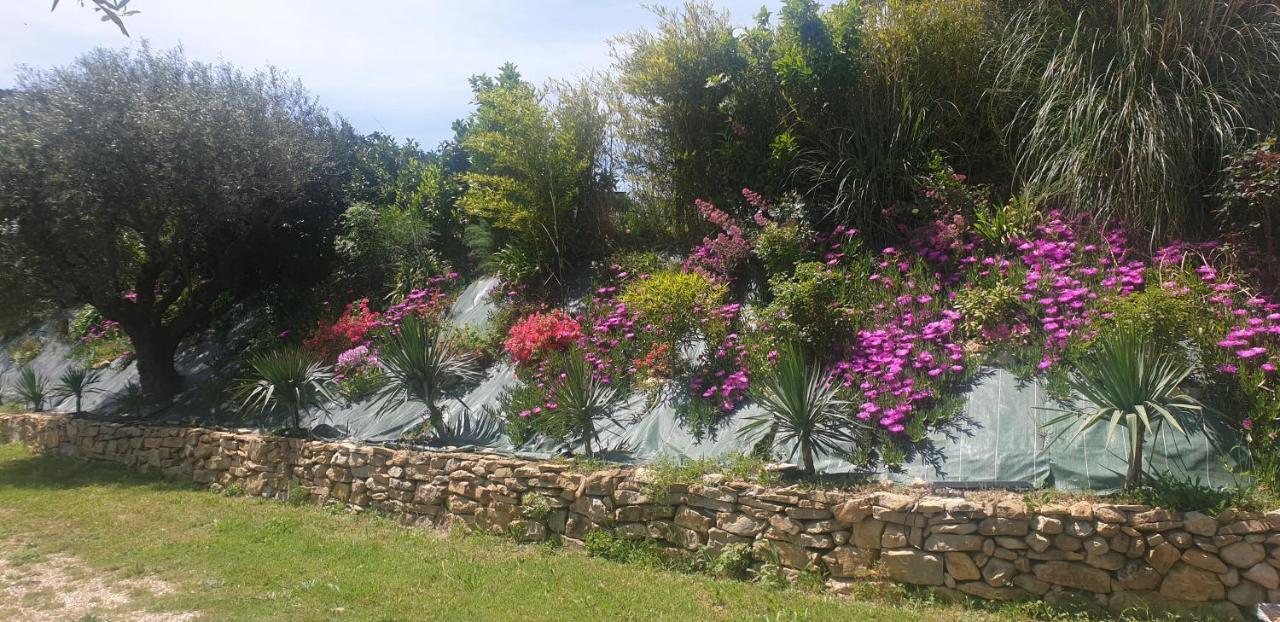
249 559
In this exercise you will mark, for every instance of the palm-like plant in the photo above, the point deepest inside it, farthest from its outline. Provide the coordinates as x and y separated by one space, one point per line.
422 360
77 381
32 388
582 398
1133 384
292 379
131 400
800 405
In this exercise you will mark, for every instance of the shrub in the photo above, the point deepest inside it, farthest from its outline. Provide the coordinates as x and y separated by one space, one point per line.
352 328
292 379
809 306
780 246
98 341
25 350
674 305
1250 194
533 337
732 562
637 264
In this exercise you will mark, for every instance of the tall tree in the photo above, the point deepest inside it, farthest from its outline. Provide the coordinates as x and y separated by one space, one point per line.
150 187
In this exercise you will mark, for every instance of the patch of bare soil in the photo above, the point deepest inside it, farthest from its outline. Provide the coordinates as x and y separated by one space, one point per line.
60 587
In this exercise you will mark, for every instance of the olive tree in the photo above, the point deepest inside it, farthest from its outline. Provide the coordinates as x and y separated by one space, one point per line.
151 187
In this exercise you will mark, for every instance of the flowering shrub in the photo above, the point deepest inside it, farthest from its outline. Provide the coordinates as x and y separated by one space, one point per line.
350 329
538 334
673 306
98 342
358 372
1251 194
719 257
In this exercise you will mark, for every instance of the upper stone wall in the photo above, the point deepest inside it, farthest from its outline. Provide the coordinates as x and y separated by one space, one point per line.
991 547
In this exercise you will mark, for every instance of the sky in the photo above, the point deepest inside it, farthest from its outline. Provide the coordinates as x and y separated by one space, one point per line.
395 66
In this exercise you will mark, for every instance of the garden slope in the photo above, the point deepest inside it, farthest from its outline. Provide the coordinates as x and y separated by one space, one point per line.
998 438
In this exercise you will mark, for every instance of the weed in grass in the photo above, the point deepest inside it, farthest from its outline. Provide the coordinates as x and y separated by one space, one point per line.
667 470
606 545
234 489
732 562
535 506
298 495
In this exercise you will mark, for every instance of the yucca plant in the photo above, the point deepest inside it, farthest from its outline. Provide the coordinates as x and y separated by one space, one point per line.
32 388
1132 384
77 381
582 397
1124 110
131 400
800 405
422 360
291 379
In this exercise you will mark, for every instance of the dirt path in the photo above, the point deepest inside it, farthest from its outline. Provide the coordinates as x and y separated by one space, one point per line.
60 588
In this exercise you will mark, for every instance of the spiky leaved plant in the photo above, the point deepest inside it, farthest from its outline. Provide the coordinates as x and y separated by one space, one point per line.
292 379
32 388
422 359
77 381
1130 383
800 405
582 397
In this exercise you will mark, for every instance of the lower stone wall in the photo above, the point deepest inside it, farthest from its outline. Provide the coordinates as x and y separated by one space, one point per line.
990 546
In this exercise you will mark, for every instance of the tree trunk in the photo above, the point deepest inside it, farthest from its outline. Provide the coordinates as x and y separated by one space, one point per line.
154 351
806 455
437 419
1134 476
587 433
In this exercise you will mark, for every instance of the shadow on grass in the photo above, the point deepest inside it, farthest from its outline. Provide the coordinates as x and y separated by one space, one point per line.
48 472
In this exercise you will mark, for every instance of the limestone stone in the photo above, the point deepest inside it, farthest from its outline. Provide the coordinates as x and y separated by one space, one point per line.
1031 584
1264 575
1002 527
692 519
852 511
1074 575
1048 525
739 524
1163 557
914 567
1186 582
847 561
1246 594
961 566
1243 554
1199 524
989 592
1038 543
866 534
1203 560
1138 576
949 542
998 572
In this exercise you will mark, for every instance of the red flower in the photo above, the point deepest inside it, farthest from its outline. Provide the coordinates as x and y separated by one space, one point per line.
537 334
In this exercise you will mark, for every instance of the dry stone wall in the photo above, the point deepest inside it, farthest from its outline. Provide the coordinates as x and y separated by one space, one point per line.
992 547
